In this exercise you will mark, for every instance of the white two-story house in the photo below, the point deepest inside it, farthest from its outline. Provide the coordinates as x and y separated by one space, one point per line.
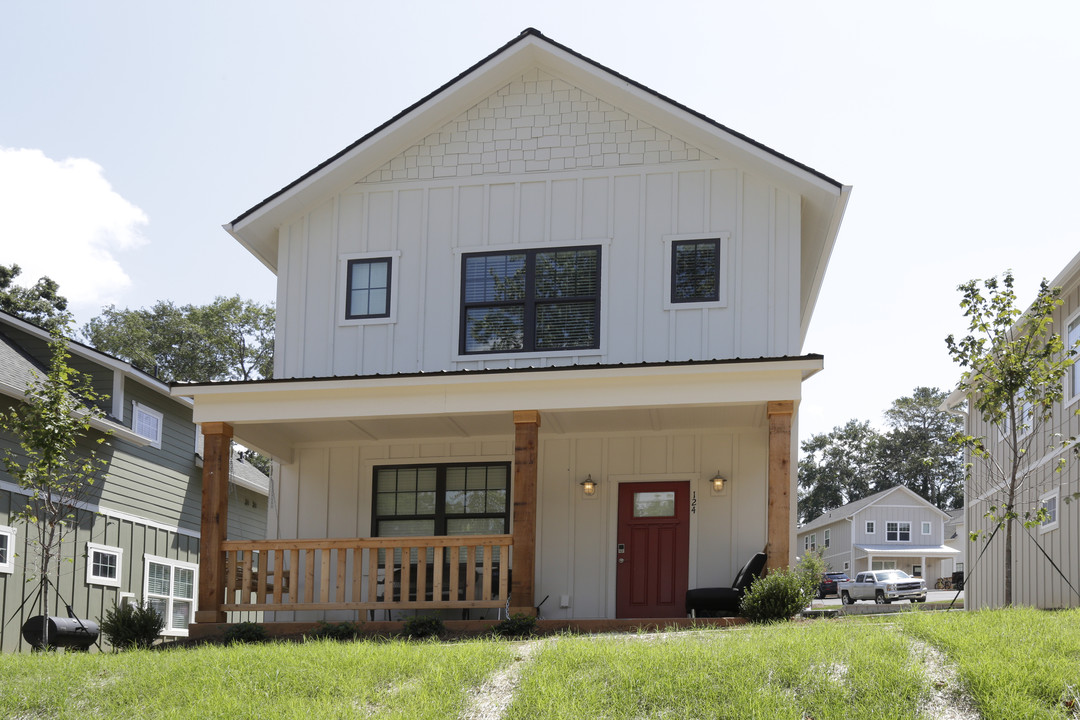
894 528
540 336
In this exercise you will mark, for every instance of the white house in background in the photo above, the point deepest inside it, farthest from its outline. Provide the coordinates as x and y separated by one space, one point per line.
894 528
956 537
1035 580
522 326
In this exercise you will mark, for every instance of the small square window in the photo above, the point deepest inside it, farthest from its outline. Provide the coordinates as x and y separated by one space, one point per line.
369 286
147 423
926 528
869 527
104 564
695 271
7 549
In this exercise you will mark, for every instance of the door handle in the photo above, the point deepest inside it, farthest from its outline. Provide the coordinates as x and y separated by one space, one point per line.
622 560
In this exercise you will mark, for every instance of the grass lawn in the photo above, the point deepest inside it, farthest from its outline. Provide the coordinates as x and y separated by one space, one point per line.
1011 664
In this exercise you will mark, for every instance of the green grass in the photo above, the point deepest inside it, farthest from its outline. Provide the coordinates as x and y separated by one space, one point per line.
309 680
823 669
1016 663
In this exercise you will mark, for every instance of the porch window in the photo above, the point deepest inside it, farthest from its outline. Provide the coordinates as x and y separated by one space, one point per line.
537 300
898 532
424 500
169 588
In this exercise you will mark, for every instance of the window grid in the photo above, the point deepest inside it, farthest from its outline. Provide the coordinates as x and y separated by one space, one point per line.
368 293
450 499
695 271
147 423
170 589
545 299
870 527
104 564
898 531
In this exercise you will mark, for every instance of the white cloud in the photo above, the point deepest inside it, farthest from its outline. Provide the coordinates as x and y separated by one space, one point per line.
62 218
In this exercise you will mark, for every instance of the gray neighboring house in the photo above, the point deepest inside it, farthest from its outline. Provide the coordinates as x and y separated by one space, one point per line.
956 537
894 528
137 537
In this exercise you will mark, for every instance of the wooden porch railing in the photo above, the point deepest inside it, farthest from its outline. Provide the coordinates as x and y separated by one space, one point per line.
460 571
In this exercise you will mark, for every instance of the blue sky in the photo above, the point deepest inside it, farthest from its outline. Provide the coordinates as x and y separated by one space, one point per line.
131 131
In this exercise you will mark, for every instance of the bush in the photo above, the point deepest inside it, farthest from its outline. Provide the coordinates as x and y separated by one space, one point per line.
516 626
132 626
341 631
782 593
424 626
245 632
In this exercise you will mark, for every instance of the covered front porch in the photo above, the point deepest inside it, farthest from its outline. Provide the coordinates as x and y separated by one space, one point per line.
925 561
667 423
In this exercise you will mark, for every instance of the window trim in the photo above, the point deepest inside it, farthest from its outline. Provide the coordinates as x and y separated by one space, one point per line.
394 256
669 243
94 579
898 524
439 517
459 294
1055 495
926 528
168 631
871 527
136 408
8 566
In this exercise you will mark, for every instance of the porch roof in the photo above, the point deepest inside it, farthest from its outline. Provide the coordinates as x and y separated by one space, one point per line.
931 551
274 416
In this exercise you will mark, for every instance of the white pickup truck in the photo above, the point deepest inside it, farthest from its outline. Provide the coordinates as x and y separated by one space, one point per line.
882 586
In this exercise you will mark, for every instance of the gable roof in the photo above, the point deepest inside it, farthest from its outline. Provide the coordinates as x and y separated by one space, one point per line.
823 198
845 512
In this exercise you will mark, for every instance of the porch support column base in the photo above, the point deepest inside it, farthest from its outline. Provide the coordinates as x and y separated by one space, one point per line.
778 549
526 432
217 437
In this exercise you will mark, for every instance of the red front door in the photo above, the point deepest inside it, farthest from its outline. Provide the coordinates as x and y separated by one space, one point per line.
653 552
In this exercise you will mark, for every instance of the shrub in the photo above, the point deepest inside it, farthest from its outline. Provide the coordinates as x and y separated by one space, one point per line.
245 632
341 631
782 593
424 626
516 626
132 626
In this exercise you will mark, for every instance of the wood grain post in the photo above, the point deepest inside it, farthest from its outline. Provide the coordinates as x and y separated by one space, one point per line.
217 437
778 548
526 432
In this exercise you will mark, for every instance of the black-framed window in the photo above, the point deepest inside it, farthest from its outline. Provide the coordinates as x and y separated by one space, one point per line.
898 531
537 300
368 291
695 270
445 499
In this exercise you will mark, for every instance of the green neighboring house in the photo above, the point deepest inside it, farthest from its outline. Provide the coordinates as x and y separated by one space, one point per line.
138 535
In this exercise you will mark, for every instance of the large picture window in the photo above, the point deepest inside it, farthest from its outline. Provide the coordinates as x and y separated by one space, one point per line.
531 300
169 588
424 500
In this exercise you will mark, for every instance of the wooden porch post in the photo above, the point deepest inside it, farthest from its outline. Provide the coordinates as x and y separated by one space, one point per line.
778 549
215 518
526 430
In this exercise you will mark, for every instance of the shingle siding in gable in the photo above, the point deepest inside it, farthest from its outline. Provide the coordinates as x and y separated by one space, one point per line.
538 123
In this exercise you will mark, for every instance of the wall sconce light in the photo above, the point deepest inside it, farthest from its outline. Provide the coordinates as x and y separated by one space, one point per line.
718 483
589 486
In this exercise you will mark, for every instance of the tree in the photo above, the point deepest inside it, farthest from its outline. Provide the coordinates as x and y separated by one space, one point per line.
918 452
1013 366
41 304
52 463
228 339
837 468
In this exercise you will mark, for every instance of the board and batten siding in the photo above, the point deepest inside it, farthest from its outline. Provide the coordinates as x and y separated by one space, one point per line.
517 171
1035 582
327 493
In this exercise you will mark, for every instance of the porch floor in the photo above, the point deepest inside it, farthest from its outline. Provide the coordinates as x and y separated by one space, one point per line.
470 628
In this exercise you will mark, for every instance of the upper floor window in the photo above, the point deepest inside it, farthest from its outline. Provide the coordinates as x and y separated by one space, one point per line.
695 270
828 540
104 564
7 549
1049 503
537 300
147 423
926 528
813 542
1074 371
869 527
898 532
368 291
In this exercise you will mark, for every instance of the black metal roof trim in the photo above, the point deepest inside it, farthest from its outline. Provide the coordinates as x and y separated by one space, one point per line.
536 33
501 371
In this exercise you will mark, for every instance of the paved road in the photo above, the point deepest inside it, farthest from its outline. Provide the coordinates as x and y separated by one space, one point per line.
931 596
